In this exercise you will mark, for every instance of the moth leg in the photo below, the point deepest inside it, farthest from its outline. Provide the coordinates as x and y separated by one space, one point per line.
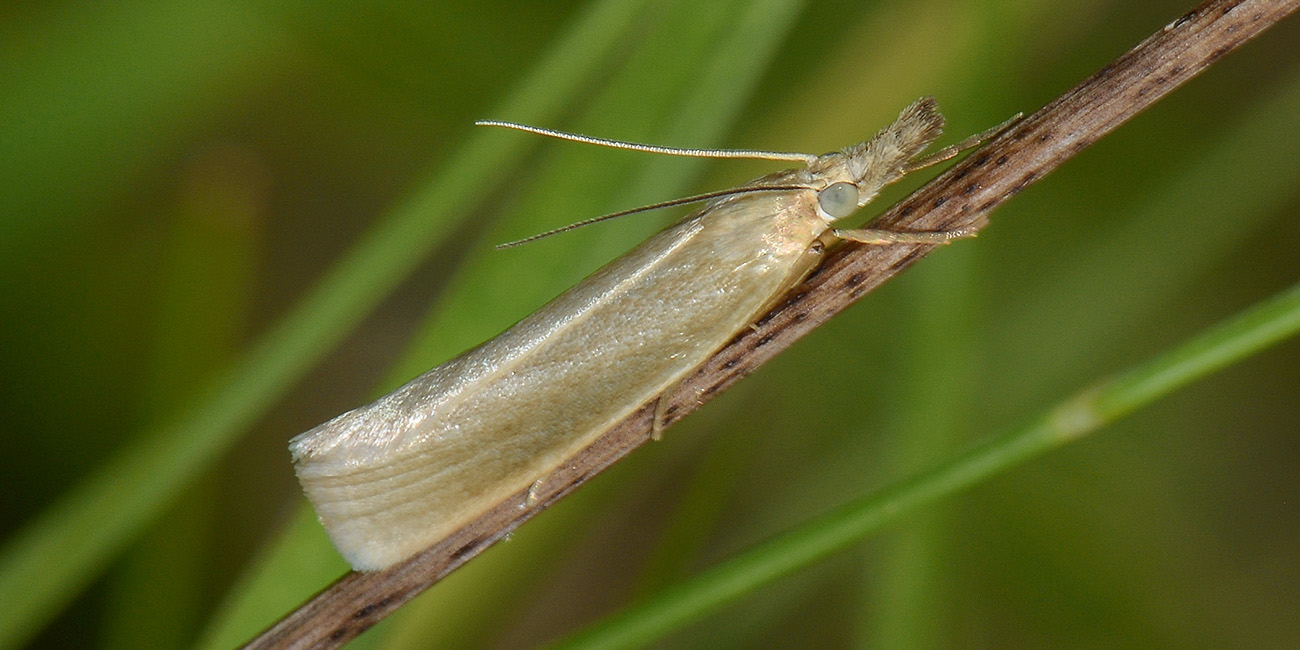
873 236
971 142
657 425
534 490
661 412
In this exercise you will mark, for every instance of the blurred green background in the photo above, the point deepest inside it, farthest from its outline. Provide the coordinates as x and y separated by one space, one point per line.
222 223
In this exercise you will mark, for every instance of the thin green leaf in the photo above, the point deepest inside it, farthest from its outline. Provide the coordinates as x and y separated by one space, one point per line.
69 544
1085 412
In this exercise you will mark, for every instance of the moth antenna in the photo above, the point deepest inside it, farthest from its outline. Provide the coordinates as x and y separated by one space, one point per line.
654 206
651 148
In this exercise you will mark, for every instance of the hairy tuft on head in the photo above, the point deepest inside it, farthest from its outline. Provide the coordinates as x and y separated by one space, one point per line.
917 126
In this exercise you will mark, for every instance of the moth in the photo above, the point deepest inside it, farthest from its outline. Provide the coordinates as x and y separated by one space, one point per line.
391 478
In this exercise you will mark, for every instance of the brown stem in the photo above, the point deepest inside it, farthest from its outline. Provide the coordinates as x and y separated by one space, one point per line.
960 198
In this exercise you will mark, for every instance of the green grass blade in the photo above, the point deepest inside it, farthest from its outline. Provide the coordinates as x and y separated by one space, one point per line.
156 592
59 553
1083 413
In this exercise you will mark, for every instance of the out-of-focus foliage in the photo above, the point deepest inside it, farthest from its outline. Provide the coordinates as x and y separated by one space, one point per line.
177 177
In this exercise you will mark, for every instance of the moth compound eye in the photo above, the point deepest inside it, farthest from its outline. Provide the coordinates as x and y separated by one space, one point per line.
839 199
